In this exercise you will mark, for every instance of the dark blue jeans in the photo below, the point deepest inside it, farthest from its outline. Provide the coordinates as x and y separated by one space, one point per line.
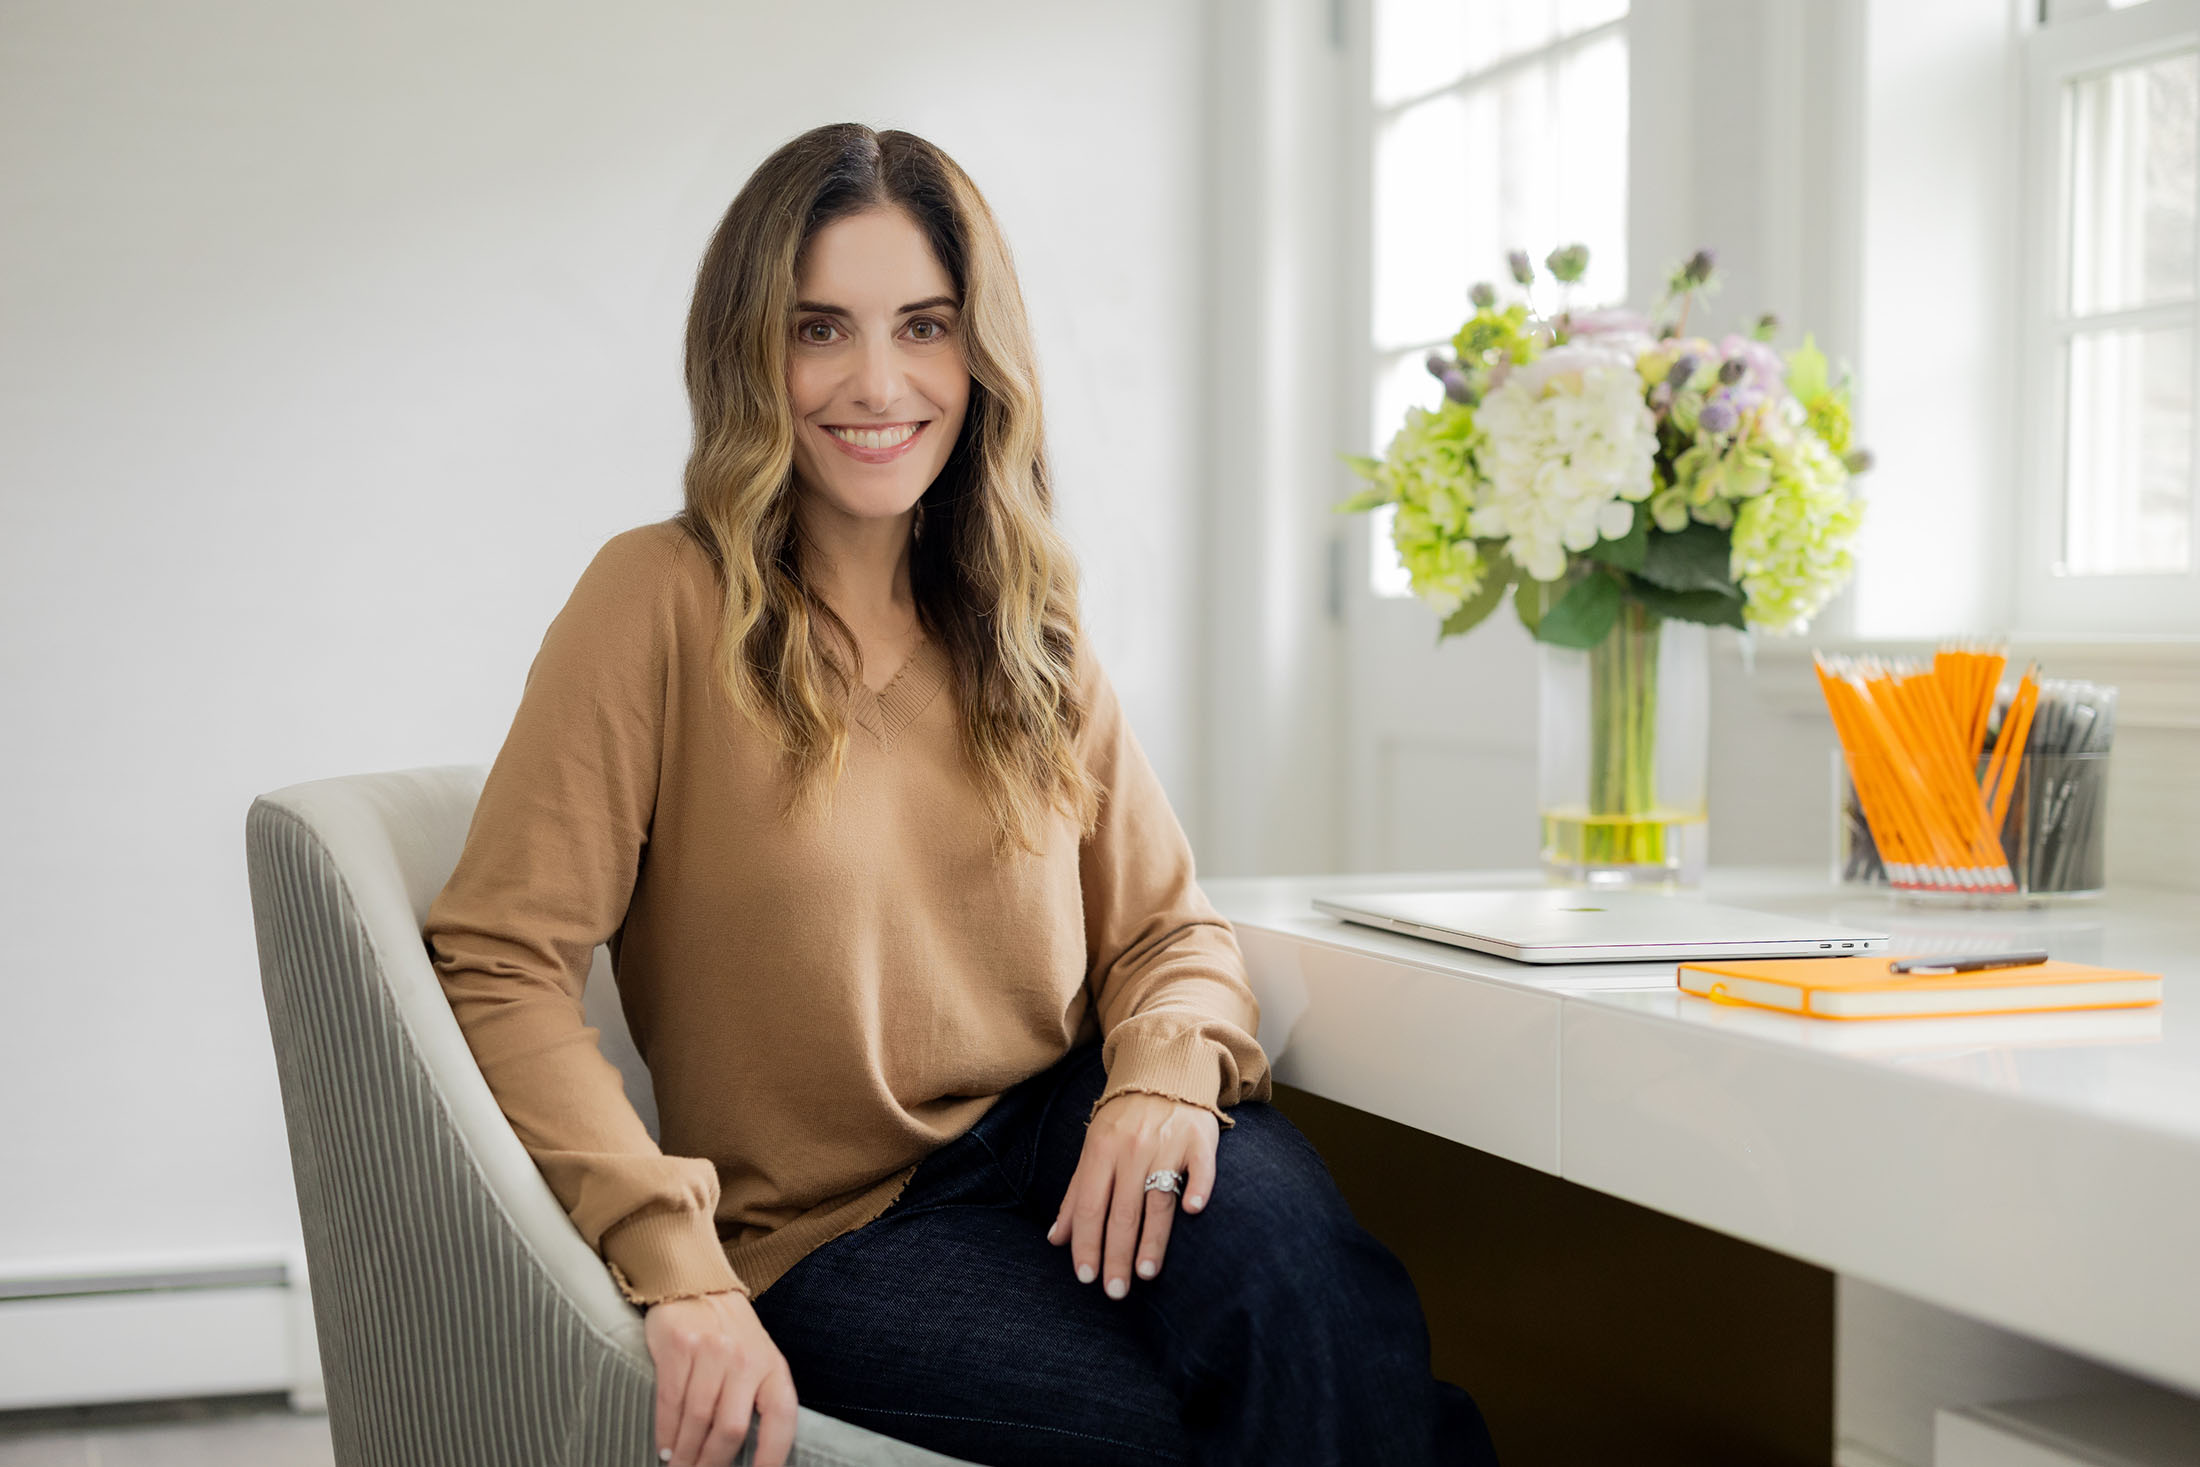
1278 1330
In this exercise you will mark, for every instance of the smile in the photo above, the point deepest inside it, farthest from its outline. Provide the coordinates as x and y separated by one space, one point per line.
876 445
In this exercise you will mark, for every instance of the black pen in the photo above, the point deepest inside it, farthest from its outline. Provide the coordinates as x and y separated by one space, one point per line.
1919 967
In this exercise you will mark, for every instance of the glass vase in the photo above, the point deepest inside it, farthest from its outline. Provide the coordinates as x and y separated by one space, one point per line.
1625 742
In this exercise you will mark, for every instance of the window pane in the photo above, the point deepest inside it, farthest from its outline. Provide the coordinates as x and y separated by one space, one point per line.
1592 166
1421 45
1422 223
2129 501
2132 138
1531 159
1547 160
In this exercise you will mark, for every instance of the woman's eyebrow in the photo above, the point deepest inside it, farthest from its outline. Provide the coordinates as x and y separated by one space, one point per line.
924 305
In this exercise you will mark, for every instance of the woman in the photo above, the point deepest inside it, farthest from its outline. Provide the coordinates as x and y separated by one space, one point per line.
947 1044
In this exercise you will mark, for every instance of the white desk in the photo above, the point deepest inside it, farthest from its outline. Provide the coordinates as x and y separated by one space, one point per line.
2037 1172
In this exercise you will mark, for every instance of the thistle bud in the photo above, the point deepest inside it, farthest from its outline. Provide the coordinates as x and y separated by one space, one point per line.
1699 267
1522 271
1456 386
1858 460
1732 370
1718 416
1438 364
1568 262
1682 369
1484 295
1768 326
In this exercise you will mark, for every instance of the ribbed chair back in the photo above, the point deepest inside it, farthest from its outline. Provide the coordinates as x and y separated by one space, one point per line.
461 1318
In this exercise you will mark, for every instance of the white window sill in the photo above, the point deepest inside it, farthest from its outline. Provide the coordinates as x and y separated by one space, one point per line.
2157 678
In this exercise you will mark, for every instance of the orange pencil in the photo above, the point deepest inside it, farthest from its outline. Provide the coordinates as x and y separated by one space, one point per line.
2021 709
1910 734
1991 781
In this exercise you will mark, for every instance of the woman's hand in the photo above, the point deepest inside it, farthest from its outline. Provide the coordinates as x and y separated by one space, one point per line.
714 1362
1130 1138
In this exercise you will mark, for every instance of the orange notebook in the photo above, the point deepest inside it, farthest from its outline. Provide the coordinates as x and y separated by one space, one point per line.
1863 988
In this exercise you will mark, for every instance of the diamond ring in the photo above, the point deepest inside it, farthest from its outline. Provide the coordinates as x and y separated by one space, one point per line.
1165 1182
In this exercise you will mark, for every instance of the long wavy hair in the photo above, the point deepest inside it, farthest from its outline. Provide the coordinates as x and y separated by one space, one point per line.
995 583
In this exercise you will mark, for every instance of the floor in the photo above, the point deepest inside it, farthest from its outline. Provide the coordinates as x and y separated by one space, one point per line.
234 1431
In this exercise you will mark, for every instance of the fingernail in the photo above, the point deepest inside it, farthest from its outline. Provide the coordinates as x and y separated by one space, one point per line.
1195 1201
1145 1268
1117 1288
664 1454
1084 1273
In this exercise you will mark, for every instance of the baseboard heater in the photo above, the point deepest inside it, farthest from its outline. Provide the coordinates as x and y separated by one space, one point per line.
156 1332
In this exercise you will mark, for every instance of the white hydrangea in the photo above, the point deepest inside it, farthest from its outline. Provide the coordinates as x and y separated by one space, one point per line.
1566 451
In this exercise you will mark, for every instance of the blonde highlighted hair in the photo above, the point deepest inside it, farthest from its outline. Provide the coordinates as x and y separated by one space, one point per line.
995 583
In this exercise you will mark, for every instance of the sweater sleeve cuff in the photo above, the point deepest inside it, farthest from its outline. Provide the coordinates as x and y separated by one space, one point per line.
1183 1067
663 1255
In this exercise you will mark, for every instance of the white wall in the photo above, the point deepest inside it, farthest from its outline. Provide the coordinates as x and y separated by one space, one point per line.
333 341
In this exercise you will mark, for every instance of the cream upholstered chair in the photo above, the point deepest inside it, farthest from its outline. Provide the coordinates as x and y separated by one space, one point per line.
461 1318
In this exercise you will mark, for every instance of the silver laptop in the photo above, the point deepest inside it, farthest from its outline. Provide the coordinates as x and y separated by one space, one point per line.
1572 925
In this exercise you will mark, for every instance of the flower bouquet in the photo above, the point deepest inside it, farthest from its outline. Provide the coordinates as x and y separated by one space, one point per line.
1628 485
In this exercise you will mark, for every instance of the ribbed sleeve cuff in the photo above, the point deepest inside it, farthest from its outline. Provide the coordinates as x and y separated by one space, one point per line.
1181 1066
668 1255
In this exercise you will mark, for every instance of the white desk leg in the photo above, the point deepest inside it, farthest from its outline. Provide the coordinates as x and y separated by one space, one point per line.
1897 1360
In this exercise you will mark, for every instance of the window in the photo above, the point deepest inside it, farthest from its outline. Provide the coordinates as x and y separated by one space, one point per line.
2112 318
1498 124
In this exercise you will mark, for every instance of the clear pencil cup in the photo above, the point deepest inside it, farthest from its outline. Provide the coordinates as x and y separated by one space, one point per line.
2053 835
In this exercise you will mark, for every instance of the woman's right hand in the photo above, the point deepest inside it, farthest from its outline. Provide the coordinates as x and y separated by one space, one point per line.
714 1362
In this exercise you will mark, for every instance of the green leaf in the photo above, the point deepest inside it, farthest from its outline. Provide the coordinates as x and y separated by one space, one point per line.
1531 599
1584 615
1627 551
1711 608
1696 557
1471 613
1806 373
1362 464
1373 498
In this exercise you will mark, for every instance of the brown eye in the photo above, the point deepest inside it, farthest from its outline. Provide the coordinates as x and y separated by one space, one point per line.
931 329
807 328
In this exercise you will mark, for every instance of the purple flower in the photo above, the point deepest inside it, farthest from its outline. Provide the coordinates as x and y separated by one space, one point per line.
1522 269
1762 374
1484 295
1613 321
1684 367
1456 387
1718 415
1438 364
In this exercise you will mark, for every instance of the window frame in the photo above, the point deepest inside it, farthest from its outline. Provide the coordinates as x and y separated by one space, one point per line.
2075 39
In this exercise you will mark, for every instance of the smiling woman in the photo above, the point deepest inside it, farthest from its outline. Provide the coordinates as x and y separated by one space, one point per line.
947 1044
877 383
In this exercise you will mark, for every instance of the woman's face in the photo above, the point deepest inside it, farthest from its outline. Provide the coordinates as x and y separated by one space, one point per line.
876 373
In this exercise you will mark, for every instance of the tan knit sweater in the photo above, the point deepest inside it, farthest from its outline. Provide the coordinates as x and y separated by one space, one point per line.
820 1002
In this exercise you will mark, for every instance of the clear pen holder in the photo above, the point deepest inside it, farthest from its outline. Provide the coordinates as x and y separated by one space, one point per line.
2052 836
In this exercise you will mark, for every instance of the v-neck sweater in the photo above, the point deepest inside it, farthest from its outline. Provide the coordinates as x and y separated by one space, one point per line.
821 1001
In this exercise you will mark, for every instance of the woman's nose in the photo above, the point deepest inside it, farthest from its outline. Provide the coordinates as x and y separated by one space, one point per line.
878 377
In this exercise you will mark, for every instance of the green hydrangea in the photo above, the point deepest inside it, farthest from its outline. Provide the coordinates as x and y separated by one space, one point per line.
1428 472
1791 543
1496 334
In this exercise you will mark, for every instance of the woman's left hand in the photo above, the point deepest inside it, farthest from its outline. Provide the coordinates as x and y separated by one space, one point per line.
1107 1214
